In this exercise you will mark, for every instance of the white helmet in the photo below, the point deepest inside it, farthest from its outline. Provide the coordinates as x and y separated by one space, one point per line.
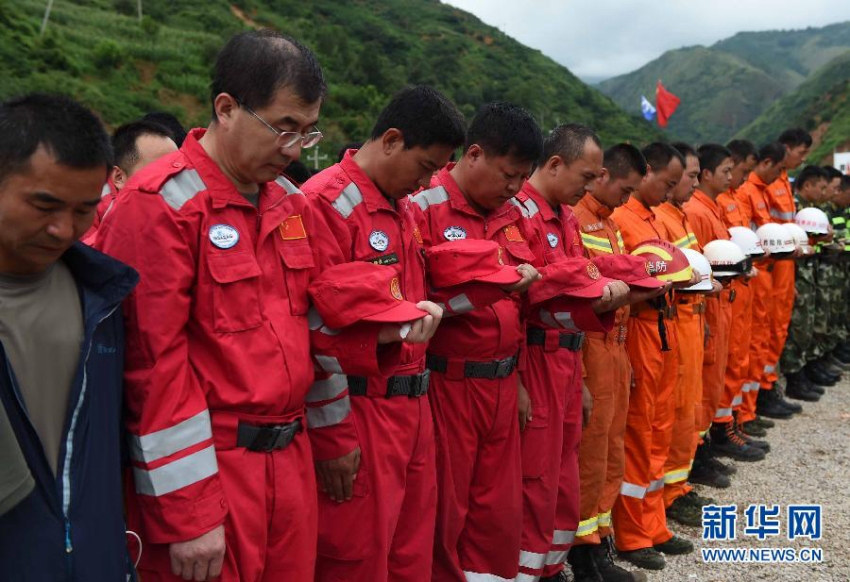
726 258
813 221
801 239
747 240
776 239
700 264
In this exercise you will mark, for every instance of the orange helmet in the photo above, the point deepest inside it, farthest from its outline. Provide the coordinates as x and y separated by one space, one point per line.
665 261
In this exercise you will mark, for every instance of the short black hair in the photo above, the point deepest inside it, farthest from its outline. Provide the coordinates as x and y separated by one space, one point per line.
568 141
298 172
353 145
170 122
808 174
831 172
622 159
659 155
685 149
741 149
503 129
712 155
71 133
424 116
124 148
254 65
774 151
795 137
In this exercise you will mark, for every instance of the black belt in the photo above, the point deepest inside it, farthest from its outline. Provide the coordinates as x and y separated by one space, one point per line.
266 438
492 370
412 386
571 341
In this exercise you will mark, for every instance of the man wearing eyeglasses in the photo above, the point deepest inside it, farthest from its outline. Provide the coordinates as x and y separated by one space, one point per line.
218 357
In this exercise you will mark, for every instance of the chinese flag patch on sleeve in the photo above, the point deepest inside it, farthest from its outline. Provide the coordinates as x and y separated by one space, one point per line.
292 228
512 234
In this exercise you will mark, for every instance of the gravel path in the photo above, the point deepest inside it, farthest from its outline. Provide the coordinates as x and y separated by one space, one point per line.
809 464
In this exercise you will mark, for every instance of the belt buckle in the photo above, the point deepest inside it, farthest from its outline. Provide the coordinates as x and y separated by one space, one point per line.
271 438
396 386
419 384
504 367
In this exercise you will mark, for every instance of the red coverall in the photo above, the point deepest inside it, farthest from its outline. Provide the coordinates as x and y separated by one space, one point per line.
706 220
217 338
608 376
386 531
737 381
688 394
649 425
751 200
552 377
479 508
781 206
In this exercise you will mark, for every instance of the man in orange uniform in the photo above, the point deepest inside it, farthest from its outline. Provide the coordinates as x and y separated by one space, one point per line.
704 212
689 323
744 159
652 352
607 375
780 205
751 200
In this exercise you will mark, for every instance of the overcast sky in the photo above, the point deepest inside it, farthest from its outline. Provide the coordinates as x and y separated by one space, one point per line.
604 38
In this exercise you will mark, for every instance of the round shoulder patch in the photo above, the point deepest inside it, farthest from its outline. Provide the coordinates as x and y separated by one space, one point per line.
553 239
223 236
454 233
593 271
379 240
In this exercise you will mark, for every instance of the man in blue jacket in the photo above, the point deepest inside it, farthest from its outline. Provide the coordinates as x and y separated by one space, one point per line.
61 346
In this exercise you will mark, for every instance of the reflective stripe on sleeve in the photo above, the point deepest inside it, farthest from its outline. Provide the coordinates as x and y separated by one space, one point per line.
162 443
181 188
176 474
347 200
430 197
461 304
327 389
329 414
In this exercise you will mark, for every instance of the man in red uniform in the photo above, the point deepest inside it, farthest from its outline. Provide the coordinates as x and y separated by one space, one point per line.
781 206
607 375
751 200
652 352
552 376
473 356
218 353
680 503
380 527
705 215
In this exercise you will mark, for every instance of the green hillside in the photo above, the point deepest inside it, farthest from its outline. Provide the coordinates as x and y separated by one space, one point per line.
99 52
821 105
720 92
726 86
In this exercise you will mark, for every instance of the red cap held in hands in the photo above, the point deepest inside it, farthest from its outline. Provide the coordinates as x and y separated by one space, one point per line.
467 261
359 291
630 269
577 277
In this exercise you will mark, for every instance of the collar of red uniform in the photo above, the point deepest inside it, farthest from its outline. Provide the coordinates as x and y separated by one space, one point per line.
457 200
221 190
598 209
702 198
372 197
546 211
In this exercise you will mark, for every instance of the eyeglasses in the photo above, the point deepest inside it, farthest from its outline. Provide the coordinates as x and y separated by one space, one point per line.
287 139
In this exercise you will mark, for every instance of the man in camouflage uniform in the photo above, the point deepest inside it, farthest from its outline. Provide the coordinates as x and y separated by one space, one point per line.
808 187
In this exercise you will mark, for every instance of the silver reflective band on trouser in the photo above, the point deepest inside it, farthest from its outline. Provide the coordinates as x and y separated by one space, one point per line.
781 215
562 537
162 443
632 490
176 474
738 400
655 485
430 197
461 304
605 519
287 185
181 188
769 369
328 364
327 389
480 577
556 557
329 414
587 527
676 476
723 413
531 560
347 200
